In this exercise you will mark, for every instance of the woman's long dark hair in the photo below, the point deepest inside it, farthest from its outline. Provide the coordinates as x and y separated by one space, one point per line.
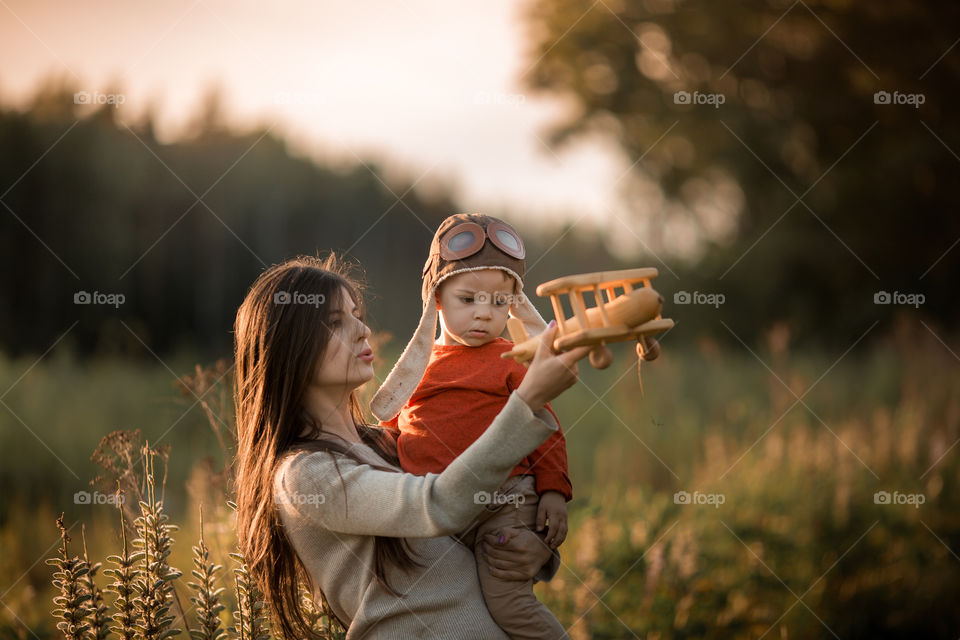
276 347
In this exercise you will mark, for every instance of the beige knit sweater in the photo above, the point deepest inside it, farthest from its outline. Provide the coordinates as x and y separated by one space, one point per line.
331 525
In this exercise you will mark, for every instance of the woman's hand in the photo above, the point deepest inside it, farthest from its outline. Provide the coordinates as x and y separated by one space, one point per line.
514 554
550 373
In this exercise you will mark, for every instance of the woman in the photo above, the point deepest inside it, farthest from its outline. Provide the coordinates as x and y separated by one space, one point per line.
321 499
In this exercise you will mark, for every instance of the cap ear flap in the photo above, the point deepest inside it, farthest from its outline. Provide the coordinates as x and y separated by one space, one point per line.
408 371
429 276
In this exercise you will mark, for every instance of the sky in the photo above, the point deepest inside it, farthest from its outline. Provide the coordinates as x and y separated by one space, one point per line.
434 88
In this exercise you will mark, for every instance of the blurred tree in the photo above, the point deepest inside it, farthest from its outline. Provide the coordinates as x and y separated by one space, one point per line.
90 202
180 229
773 176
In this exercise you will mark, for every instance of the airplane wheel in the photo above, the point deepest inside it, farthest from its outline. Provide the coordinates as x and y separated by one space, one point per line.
651 351
601 356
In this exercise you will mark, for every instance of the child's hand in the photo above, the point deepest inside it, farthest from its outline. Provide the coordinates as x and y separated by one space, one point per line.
553 508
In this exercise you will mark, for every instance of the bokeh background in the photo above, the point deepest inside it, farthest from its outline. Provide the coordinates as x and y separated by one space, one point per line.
789 168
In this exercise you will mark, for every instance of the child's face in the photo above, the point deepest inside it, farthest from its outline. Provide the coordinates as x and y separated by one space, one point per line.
474 306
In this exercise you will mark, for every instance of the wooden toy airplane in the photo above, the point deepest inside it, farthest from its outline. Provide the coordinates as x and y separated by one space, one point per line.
633 314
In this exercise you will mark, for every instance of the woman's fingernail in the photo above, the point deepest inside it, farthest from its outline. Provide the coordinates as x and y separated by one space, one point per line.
500 540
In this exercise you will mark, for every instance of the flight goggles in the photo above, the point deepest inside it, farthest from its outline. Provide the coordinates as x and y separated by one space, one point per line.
467 238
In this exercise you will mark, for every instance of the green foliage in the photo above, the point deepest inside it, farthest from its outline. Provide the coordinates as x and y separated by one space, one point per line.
800 547
119 206
154 585
96 615
144 581
322 621
799 515
250 617
207 598
125 574
143 585
73 603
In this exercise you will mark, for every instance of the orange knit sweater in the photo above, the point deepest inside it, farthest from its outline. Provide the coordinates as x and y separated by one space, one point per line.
462 391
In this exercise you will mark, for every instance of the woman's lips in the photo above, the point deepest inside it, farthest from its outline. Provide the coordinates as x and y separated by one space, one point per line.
366 356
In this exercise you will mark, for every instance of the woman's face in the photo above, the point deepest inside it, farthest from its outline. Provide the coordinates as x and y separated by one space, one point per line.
348 361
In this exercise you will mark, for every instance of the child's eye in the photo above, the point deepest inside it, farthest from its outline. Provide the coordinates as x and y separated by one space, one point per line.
466 300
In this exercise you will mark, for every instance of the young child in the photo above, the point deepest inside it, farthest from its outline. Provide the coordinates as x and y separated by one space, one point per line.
441 396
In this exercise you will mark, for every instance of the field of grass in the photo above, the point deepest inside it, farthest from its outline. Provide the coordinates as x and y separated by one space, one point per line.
737 498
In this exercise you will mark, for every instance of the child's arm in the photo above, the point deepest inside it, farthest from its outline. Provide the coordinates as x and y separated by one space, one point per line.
549 461
549 465
552 508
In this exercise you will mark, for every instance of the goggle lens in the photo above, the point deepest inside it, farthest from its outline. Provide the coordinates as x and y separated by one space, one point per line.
507 240
461 241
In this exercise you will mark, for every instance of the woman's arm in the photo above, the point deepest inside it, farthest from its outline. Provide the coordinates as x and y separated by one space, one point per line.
348 497
369 501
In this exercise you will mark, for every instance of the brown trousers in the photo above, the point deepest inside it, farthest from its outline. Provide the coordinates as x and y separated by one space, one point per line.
512 603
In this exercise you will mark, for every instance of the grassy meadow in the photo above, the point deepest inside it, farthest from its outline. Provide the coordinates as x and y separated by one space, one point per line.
741 496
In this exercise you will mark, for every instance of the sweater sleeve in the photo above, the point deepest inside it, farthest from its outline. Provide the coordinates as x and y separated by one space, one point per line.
549 463
369 501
